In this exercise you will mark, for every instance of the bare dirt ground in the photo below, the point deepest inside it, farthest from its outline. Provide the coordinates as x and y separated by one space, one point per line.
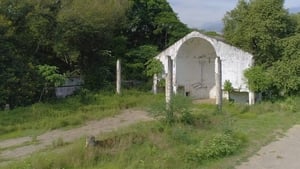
22 147
281 154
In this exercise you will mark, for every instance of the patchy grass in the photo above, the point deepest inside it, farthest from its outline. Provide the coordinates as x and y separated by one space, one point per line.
212 141
69 112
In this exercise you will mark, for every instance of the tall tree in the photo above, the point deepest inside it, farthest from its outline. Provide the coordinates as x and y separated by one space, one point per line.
88 31
257 26
235 25
18 79
286 72
152 26
135 69
153 22
79 38
296 20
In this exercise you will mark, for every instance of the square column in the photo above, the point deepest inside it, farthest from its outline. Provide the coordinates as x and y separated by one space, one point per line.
118 67
218 79
169 81
251 98
154 87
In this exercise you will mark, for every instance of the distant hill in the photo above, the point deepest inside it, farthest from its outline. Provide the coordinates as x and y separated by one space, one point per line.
294 10
213 26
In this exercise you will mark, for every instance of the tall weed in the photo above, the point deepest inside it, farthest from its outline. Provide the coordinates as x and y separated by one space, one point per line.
178 110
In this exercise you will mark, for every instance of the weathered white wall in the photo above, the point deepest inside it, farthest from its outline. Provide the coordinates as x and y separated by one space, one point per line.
70 86
234 63
195 62
196 49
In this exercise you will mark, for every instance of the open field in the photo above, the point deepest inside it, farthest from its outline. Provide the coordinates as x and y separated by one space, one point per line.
74 111
198 137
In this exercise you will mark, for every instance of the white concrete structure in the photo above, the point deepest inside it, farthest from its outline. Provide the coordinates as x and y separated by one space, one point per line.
69 87
194 66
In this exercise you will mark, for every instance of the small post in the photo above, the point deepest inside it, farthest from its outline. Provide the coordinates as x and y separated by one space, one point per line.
251 98
154 87
118 77
169 80
218 78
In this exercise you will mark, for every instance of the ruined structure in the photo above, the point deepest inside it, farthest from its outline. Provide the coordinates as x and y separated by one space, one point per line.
69 87
194 60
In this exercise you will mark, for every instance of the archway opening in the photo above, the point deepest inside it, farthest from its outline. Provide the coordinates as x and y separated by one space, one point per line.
195 69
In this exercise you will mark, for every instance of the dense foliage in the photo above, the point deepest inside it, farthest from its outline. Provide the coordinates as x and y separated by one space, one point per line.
271 34
84 39
79 38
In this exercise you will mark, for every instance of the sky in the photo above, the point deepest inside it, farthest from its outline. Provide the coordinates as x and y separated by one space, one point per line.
208 14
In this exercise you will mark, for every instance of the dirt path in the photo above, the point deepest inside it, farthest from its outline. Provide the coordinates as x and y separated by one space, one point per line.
281 154
21 147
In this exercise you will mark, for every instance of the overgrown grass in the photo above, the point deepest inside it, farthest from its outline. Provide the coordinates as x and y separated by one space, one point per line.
72 111
212 141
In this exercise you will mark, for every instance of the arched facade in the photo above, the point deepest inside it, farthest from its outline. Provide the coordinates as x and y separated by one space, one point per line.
194 66
196 55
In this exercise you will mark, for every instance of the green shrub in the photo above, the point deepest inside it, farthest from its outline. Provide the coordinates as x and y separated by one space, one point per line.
187 117
179 110
202 120
290 104
180 134
228 86
220 145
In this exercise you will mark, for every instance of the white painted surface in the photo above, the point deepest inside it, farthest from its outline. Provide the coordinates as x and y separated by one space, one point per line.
118 85
169 80
194 65
195 70
154 87
218 79
251 98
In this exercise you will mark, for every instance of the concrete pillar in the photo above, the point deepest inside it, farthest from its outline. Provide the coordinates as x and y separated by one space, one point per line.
7 107
154 87
174 84
118 77
251 98
169 79
218 79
